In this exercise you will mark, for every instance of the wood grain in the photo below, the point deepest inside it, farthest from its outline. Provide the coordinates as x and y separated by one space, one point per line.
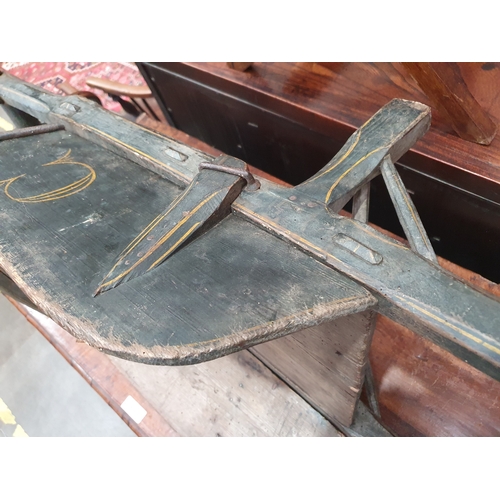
340 99
424 391
288 119
179 135
324 364
444 85
228 397
119 88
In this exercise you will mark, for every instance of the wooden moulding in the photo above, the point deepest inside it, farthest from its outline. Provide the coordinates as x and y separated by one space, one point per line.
334 102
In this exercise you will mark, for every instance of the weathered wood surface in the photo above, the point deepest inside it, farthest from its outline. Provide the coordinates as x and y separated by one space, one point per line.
471 412
390 132
407 213
411 386
231 396
324 364
204 203
229 289
9 288
411 290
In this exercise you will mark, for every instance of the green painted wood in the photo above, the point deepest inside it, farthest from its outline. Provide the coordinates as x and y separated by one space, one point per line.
68 207
206 201
413 291
391 131
407 213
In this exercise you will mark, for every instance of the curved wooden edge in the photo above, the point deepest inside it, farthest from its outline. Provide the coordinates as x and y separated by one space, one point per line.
68 89
200 352
140 91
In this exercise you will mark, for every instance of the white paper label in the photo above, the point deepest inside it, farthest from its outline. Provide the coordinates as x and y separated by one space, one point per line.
133 409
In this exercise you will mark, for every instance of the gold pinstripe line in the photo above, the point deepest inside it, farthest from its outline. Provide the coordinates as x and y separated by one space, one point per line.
59 193
335 184
397 245
66 156
289 233
181 223
173 247
450 325
114 139
346 154
69 190
461 331
139 237
151 226
358 132
160 242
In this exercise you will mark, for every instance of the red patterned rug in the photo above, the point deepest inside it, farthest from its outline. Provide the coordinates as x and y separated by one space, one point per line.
49 75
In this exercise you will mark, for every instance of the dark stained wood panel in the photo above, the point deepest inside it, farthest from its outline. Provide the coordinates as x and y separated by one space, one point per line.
424 391
344 97
443 84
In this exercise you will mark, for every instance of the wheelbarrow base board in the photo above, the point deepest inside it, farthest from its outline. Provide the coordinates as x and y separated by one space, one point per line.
79 210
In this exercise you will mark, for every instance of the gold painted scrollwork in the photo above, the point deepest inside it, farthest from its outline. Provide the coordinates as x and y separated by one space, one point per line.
56 194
